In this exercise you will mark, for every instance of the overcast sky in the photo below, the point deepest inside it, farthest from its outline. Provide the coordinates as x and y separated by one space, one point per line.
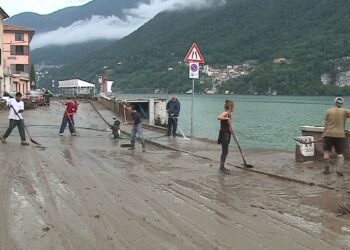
13 7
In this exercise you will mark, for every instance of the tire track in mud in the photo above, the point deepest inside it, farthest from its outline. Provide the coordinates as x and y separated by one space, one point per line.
41 206
73 203
184 192
6 173
163 222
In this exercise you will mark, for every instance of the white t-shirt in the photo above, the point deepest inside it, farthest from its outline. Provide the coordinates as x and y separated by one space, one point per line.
17 106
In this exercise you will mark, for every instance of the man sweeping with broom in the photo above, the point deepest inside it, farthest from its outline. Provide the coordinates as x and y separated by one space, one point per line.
16 106
71 109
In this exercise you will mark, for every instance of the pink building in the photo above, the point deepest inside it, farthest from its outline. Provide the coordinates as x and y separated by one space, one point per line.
16 41
3 16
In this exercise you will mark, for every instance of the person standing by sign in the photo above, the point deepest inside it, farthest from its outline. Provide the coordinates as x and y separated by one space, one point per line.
225 134
16 106
173 109
334 135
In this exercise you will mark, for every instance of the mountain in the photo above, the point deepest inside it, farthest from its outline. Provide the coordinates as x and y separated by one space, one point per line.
61 54
312 34
67 16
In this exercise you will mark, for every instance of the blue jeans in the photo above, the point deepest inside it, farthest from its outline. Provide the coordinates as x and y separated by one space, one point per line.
137 128
70 122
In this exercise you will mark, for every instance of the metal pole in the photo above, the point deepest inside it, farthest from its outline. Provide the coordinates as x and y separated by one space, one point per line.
192 108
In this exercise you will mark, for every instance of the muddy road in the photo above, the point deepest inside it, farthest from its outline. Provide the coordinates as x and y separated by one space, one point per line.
87 192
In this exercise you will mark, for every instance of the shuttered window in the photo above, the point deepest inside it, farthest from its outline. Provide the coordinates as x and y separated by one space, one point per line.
17 68
18 50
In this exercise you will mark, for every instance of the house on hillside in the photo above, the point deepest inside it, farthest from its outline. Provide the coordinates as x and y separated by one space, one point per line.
16 42
3 16
326 79
343 79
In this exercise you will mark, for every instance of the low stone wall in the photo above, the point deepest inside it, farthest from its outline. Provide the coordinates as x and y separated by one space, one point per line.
316 132
159 109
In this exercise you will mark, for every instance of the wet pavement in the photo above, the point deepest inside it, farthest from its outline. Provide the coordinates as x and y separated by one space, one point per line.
88 192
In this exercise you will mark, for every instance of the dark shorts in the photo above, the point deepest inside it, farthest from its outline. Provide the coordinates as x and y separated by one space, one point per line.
337 143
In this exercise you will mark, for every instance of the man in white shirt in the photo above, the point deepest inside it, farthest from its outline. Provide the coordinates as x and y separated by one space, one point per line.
16 106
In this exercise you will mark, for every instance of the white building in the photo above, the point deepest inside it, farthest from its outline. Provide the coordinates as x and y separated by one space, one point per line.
75 87
343 79
326 79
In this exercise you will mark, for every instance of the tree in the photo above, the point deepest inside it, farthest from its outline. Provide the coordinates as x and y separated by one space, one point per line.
32 75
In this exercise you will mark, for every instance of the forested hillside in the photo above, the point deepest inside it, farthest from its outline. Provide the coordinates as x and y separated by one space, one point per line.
309 32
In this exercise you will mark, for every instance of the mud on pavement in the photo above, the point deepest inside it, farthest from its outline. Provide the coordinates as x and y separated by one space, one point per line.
86 192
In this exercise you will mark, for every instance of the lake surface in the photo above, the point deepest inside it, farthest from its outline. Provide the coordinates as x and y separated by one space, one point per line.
259 121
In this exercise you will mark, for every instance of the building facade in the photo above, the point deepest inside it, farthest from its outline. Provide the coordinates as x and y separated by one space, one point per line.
16 44
3 16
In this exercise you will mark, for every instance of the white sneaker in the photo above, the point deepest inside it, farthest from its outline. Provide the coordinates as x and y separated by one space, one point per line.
61 134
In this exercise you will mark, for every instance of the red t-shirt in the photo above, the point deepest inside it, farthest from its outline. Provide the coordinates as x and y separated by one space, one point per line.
71 108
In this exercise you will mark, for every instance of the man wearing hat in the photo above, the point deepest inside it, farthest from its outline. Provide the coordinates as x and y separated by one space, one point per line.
334 134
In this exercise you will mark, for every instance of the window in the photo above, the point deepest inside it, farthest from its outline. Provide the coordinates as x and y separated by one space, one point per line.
19 50
18 68
19 36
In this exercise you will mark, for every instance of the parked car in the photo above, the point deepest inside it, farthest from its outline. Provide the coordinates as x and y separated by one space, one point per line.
36 96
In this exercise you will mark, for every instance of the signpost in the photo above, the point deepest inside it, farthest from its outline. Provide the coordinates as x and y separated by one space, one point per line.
194 58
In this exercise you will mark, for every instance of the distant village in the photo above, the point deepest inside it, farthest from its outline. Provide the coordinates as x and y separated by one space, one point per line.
341 74
221 75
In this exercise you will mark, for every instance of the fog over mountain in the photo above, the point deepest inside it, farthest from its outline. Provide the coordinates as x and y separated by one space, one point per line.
114 27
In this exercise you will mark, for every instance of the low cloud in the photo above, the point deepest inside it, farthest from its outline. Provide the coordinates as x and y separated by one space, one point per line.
111 27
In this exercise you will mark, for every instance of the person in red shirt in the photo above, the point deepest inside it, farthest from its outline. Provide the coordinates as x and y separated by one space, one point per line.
71 109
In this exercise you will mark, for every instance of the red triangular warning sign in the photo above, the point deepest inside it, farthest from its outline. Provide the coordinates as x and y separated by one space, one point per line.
194 55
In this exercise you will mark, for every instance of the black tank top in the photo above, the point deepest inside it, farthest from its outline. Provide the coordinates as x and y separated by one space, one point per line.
225 126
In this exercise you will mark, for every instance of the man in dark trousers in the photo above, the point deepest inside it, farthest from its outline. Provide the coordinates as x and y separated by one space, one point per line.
47 94
16 106
173 109
334 135
71 109
116 128
136 128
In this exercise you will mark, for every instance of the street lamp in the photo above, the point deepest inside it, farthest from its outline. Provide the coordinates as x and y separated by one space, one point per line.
53 86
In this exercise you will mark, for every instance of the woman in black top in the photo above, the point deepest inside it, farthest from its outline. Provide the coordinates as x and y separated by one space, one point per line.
225 133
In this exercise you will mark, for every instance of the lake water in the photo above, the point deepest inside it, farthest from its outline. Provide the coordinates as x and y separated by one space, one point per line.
259 121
